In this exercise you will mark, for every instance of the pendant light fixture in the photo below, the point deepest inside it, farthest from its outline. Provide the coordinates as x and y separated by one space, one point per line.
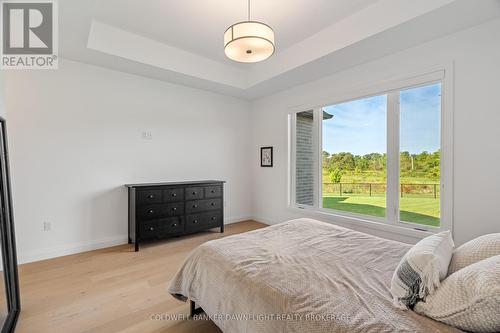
249 41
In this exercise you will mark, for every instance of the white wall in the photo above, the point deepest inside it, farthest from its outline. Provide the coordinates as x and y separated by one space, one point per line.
476 54
75 139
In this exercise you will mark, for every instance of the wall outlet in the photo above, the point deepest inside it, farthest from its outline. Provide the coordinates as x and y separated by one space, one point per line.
147 135
47 226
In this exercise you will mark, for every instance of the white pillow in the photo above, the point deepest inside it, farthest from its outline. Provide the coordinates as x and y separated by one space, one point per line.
468 299
473 251
421 270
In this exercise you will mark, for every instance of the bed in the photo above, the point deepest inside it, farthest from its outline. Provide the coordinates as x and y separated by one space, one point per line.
298 276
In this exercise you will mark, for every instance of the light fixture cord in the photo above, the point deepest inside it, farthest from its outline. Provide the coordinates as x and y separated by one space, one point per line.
248 10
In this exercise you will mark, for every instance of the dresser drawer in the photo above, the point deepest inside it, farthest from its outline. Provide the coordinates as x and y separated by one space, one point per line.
152 212
203 205
203 221
213 191
173 194
160 210
174 209
161 228
194 193
147 197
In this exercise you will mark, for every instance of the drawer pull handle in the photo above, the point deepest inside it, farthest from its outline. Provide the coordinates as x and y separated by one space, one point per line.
194 193
174 208
213 218
212 204
151 228
150 211
174 225
151 196
195 221
212 191
174 194
195 206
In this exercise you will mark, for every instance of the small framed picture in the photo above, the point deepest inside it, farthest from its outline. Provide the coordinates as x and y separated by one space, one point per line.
266 157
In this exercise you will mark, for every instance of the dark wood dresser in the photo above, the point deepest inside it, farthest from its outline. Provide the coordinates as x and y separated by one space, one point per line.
162 210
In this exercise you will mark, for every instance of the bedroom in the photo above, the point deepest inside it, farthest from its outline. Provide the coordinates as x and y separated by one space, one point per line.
146 92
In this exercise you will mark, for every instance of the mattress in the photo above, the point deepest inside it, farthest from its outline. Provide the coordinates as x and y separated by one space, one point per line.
299 276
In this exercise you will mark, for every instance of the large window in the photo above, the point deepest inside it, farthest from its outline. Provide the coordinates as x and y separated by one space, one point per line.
420 157
374 158
354 165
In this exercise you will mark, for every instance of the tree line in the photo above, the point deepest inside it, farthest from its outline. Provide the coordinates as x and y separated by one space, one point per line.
424 164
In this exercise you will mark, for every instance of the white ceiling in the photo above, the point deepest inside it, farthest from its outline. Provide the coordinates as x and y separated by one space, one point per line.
181 40
198 26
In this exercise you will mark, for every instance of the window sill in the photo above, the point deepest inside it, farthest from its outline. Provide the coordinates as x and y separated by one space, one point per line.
345 220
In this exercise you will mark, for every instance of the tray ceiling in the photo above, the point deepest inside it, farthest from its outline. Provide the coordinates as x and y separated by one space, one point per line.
181 41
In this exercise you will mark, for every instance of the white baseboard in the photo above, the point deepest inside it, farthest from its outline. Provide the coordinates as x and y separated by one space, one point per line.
73 248
230 220
263 219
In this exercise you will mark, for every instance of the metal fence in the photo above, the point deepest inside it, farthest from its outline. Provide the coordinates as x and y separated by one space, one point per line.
380 189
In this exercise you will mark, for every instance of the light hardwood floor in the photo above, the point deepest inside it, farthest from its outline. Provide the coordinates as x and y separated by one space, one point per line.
112 290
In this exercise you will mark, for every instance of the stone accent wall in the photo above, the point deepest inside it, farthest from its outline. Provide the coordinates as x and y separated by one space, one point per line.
304 186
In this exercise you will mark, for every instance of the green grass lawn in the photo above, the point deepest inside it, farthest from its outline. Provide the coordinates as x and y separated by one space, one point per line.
425 211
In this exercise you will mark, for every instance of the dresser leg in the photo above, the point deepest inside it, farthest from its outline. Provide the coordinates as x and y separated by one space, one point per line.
136 246
222 228
130 240
192 308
